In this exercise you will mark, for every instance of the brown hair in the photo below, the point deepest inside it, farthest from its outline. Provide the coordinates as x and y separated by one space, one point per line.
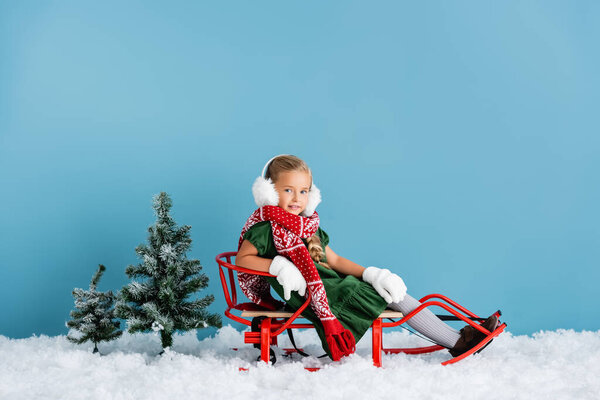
289 162
286 162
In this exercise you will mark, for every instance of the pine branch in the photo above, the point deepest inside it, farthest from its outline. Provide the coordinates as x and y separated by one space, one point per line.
135 271
97 277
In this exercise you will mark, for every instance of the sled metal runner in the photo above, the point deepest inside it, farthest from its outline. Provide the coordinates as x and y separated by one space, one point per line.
276 322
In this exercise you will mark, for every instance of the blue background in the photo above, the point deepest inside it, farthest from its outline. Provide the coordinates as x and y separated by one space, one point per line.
455 143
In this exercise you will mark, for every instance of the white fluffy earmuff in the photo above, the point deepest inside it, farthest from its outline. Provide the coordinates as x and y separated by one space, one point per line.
265 194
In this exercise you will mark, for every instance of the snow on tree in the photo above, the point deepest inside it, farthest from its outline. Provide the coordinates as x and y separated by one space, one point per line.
93 315
158 298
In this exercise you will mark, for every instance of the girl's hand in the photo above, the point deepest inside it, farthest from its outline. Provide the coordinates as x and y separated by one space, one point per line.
389 285
288 276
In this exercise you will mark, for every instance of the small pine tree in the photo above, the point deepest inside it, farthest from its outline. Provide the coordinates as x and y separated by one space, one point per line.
158 302
93 316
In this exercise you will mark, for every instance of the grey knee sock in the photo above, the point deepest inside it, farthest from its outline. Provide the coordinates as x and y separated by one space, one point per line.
427 323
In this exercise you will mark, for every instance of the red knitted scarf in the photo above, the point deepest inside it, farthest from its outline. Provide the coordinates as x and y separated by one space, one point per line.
288 231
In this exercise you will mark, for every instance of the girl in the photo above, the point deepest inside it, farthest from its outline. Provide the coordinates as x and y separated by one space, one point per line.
283 238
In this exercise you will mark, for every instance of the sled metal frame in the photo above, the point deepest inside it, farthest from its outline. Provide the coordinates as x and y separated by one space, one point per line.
276 322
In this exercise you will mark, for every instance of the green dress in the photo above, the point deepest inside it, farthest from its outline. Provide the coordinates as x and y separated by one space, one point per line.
354 303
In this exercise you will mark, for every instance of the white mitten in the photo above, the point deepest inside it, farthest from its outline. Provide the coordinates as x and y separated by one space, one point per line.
389 285
288 276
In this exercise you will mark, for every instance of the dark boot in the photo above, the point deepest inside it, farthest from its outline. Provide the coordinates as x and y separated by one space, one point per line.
470 337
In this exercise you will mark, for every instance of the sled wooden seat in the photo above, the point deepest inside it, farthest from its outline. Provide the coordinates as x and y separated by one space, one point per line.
276 322
287 314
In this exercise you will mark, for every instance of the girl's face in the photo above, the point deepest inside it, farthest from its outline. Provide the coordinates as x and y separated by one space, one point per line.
293 187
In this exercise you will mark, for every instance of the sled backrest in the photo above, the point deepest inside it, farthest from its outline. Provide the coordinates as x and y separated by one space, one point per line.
229 282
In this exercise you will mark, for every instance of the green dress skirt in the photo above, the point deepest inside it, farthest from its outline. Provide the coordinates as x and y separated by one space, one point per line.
354 303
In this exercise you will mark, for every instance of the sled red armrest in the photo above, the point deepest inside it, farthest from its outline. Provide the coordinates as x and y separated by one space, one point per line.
229 284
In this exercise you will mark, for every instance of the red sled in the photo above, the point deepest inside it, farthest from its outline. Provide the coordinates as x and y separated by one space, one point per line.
273 323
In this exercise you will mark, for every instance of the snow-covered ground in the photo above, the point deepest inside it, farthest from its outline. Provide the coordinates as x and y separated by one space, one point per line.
559 364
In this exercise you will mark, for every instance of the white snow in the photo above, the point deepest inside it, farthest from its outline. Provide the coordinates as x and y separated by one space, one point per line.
156 326
149 260
561 364
167 252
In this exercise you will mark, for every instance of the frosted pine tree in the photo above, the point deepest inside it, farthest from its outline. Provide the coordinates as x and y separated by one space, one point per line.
158 297
93 315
